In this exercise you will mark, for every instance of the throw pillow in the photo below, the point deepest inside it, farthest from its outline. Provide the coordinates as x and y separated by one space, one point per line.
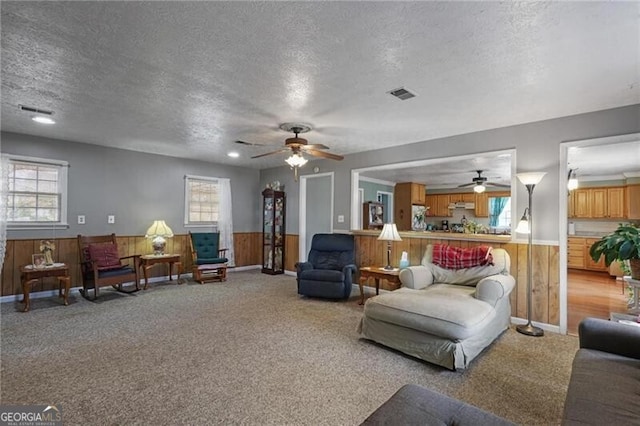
105 255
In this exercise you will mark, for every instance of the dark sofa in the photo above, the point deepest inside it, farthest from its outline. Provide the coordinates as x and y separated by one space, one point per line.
605 377
604 388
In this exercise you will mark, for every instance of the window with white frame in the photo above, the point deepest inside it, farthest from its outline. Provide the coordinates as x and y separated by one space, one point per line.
37 193
504 220
202 200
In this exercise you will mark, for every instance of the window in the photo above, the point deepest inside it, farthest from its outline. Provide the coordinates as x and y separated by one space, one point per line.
504 219
202 199
37 194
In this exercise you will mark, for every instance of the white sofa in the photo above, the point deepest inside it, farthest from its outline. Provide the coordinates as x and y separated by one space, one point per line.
446 317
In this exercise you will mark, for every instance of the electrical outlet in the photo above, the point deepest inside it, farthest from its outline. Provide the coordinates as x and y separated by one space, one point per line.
81 220
111 219
340 218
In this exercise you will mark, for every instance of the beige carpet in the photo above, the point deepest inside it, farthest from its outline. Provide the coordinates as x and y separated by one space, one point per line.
248 351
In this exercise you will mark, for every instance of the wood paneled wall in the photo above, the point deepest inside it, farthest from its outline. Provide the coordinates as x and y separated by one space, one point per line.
545 306
369 251
246 247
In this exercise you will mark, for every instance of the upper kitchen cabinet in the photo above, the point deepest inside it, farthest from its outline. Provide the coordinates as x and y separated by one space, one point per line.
482 205
632 206
598 203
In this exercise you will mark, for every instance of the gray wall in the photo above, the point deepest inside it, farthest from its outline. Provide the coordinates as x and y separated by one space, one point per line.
136 187
537 149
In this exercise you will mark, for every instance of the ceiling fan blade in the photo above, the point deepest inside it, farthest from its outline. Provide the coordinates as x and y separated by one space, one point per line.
323 154
239 142
500 185
315 146
466 184
271 153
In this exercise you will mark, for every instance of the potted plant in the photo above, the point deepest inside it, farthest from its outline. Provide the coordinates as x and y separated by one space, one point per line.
622 244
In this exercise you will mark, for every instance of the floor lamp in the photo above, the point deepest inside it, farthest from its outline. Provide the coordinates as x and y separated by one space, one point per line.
530 180
389 233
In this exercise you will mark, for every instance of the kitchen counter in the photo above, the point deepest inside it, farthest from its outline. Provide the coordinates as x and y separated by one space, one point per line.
440 235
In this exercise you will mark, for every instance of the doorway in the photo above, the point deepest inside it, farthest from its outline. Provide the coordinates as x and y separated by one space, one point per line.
584 290
316 209
386 199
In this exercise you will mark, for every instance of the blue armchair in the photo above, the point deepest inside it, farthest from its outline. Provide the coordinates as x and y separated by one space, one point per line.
330 268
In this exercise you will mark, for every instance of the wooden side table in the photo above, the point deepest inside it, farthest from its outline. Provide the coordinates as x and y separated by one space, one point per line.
378 273
30 275
148 260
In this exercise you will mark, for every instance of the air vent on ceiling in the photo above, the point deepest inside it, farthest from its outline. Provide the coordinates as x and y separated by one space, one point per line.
36 110
402 93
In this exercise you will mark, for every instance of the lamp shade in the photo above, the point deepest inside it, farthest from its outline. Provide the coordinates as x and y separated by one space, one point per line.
479 188
159 229
532 178
389 233
296 160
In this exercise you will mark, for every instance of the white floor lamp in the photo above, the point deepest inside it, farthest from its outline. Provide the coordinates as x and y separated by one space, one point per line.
530 180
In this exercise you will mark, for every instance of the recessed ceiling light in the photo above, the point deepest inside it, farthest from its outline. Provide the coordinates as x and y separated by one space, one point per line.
233 154
43 120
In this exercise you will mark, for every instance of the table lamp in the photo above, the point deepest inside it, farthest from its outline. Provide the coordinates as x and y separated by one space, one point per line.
389 233
158 231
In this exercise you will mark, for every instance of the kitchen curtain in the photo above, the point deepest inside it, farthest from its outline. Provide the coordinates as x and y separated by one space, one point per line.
4 198
496 205
225 219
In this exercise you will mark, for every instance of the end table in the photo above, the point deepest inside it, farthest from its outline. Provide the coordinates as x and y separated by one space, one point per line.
378 273
30 274
148 260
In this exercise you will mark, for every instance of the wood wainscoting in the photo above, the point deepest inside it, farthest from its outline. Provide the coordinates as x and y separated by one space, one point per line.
369 251
546 273
247 250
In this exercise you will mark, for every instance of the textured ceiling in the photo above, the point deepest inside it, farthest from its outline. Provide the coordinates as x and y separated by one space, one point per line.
187 79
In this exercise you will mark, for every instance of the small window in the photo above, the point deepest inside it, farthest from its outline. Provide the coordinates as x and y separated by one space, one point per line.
202 198
37 195
504 219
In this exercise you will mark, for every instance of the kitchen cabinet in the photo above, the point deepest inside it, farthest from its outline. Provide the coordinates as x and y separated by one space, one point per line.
406 195
578 254
615 202
438 205
482 205
589 263
575 253
468 197
632 204
598 203
582 203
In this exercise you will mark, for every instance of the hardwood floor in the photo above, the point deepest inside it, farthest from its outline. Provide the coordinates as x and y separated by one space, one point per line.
593 294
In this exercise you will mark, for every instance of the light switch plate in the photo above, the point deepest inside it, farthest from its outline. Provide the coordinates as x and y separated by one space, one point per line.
340 218
81 219
111 219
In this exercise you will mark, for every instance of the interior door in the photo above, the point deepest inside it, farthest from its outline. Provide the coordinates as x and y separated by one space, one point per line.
317 214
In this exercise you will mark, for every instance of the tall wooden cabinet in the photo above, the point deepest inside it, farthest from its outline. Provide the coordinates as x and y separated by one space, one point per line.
273 231
406 195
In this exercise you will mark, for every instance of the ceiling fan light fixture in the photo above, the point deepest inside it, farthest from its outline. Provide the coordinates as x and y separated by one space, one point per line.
572 183
479 189
296 160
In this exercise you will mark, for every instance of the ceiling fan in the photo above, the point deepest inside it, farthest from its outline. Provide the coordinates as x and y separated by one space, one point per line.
480 183
298 146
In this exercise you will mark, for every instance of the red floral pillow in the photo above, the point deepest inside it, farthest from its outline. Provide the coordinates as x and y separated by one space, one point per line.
105 255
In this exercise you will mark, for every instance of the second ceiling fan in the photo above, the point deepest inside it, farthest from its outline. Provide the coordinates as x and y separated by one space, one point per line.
480 183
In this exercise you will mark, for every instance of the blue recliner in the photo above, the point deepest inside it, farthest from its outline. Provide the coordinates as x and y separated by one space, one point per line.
330 267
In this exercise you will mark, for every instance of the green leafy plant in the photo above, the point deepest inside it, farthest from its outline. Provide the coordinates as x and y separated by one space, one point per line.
622 244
